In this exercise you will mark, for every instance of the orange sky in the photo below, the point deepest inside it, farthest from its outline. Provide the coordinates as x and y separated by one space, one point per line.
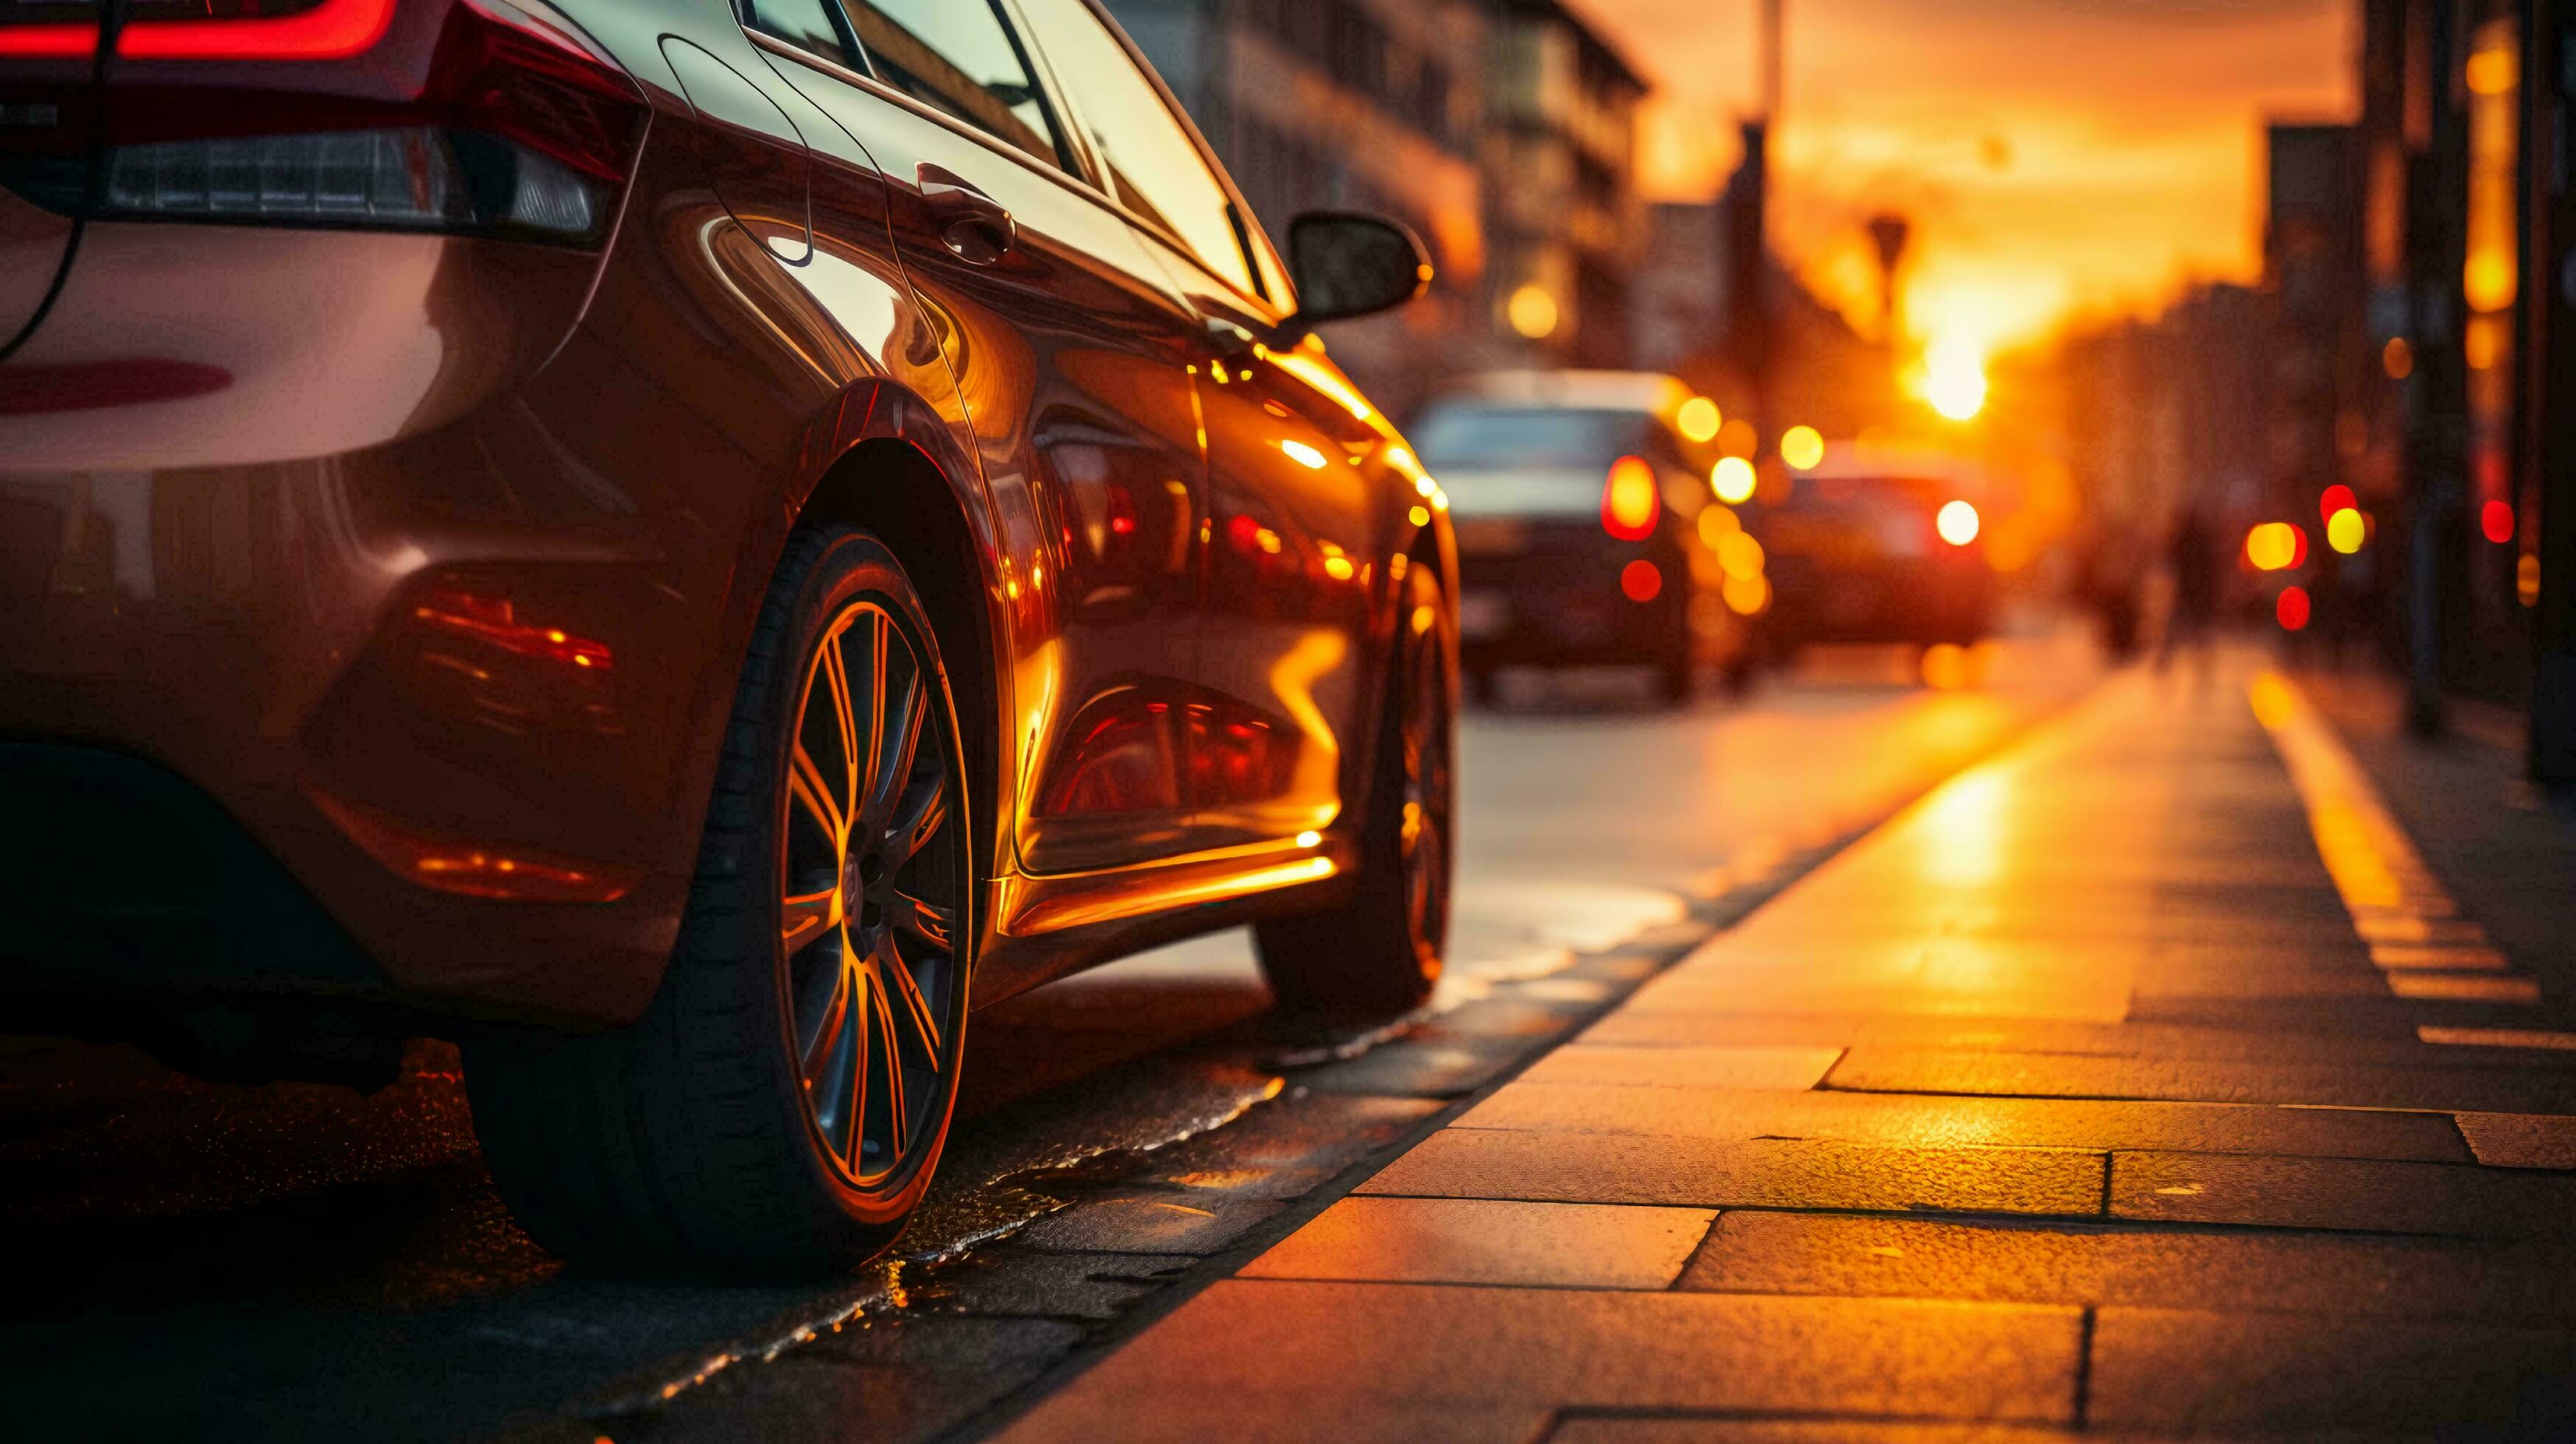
2056 156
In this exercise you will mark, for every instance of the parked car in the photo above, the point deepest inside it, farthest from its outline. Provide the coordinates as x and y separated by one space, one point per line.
1872 548
682 548
1587 529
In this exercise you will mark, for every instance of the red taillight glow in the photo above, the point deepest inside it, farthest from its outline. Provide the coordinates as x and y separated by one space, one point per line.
1629 504
50 42
1641 581
444 115
2292 609
2495 519
332 30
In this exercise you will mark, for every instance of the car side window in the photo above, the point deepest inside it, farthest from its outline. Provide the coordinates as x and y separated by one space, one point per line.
1155 170
956 57
812 26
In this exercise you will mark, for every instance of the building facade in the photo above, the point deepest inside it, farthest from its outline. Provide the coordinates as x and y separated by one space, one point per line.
1503 131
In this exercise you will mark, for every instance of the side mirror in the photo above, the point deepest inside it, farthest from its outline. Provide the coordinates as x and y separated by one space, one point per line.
1349 264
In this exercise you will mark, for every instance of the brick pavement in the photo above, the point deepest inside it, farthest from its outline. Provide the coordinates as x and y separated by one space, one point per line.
2145 1081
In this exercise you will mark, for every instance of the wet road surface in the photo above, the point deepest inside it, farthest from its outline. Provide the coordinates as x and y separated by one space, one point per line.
198 1260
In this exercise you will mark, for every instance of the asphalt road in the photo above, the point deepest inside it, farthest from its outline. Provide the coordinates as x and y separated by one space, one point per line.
194 1260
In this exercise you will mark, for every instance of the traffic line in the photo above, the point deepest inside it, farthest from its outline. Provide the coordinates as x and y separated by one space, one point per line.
2418 939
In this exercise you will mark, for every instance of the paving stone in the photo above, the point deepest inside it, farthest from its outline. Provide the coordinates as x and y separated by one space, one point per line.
1313 1357
2464 987
2201 1371
1418 1069
1023 1282
1792 1253
1684 1067
1760 1173
2337 1193
1898 1119
1481 1241
1917 1070
1150 1221
1287 1415
2521 1140
1289 1147
2169 1042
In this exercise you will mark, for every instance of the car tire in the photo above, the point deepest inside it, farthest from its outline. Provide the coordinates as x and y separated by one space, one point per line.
1378 953
782 1104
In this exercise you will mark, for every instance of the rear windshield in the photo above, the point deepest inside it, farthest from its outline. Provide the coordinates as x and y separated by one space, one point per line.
1457 435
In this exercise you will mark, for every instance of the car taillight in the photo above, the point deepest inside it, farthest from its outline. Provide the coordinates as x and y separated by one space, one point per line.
445 115
1629 503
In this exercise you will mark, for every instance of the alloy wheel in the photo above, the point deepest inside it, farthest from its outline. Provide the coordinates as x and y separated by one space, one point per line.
873 895
1423 840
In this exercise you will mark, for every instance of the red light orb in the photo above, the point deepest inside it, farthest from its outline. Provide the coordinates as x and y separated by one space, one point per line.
2496 520
1640 581
2335 498
2292 609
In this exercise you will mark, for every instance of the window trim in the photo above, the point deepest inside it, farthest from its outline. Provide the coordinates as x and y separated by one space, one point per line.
840 26
1240 218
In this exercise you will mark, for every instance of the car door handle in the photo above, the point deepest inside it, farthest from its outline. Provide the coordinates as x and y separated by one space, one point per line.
976 228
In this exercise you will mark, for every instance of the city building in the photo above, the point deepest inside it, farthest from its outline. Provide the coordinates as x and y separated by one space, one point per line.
1372 105
1567 226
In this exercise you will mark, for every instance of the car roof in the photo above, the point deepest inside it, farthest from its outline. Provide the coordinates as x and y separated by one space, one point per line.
1643 391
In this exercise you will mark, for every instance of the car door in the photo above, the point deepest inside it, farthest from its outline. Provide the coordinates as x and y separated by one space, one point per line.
1071 354
1291 457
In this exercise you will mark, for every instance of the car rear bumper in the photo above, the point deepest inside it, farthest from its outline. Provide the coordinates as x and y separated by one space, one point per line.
1564 605
1940 600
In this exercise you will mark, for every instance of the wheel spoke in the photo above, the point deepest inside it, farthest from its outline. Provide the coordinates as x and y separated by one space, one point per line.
802 918
854 1131
911 712
880 632
917 818
907 990
806 783
896 1119
836 674
826 1014
933 925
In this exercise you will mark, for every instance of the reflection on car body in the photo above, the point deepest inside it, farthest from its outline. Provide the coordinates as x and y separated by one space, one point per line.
681 546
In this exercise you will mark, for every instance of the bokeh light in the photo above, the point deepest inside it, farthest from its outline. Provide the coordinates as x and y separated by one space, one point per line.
2526 580
2275 546
1957 523
1945 667
1954 379
1699 420
2346 530
2335 498
1740 556
1733 480
1532 312
1716 524
1628 501
1802 447
1747 596
1641 581
2495 519
2292 609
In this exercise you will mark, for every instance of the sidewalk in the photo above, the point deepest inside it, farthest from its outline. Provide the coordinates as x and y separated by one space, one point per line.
2098 1095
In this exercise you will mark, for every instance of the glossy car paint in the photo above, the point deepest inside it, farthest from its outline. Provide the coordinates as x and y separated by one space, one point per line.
432 561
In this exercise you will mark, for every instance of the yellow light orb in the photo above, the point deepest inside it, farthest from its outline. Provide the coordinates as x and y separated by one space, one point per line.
1954 380
1746 596
1957 523
1699 420
2346 530
1740 555
1945 667
1802 447
1532 312
2272 546
1733 480
1716 524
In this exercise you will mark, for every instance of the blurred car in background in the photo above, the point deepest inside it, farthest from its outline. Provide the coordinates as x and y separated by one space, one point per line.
1865 548
1587 528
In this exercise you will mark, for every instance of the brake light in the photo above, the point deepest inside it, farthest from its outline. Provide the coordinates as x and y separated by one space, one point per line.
1629 504
477 116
